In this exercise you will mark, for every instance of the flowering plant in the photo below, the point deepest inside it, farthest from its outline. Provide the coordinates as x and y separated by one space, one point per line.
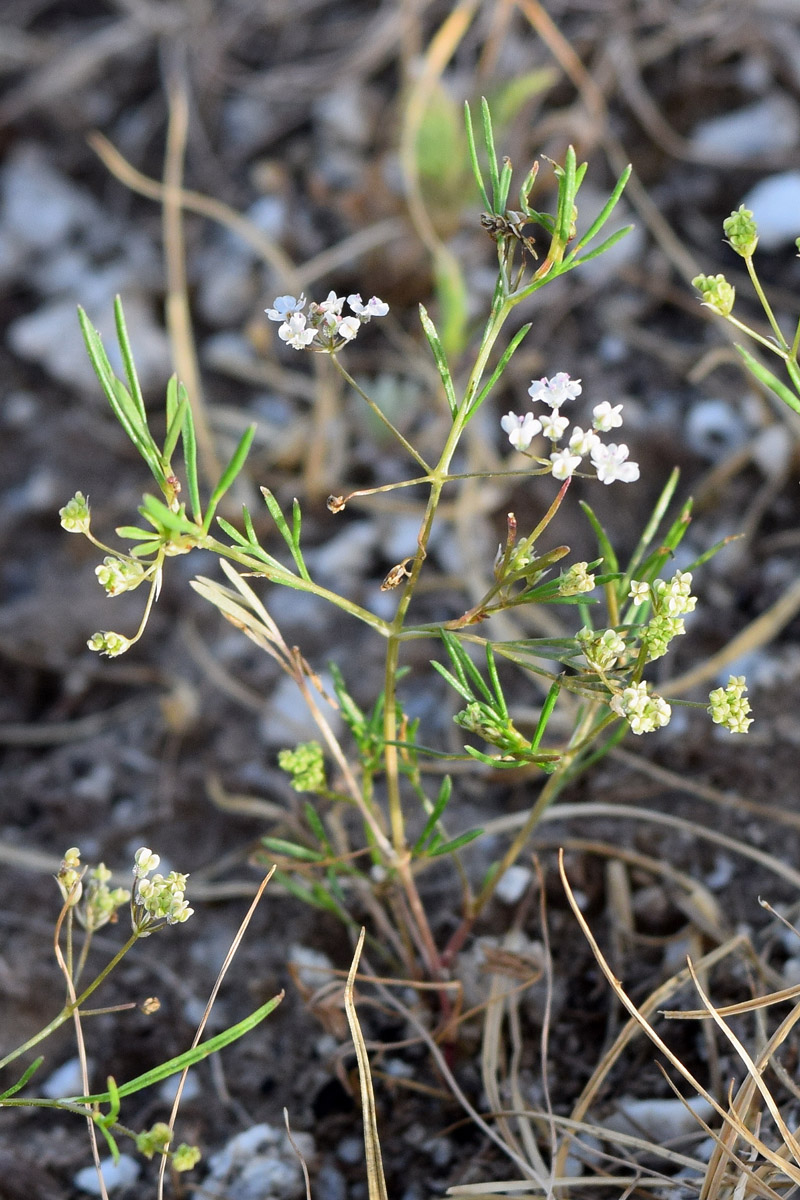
599 668
153 903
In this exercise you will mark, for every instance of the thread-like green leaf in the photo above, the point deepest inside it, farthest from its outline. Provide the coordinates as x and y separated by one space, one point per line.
187 1059
440 359
769 380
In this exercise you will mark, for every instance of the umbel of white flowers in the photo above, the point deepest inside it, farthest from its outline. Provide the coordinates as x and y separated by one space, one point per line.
609 459
324 328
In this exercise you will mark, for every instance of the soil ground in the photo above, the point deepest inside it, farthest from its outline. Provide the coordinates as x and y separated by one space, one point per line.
295 115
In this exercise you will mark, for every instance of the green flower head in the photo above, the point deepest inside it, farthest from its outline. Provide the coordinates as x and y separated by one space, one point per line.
717 293
741 231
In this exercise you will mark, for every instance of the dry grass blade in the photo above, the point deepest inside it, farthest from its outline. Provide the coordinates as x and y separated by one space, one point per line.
376 1182
734 1125
204 1019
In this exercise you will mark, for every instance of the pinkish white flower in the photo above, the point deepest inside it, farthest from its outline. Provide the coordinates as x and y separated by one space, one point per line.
610 463
521 430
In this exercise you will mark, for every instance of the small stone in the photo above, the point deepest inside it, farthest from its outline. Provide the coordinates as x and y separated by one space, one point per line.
66 1080
511 887
115 1174
775 204
766 127
313 966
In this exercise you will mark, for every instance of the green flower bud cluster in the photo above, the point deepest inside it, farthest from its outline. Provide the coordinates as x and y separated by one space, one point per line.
156 1140
741 231
306 765
95 903
157 901
118 575
499 731
602 651
576 580
74 515
729 706
717 293
109 643
643 711
671 600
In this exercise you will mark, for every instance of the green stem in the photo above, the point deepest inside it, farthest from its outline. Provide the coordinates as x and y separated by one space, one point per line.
765 304
395 432
68 1009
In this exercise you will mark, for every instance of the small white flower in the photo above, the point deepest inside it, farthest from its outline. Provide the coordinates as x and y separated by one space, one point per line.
640 592
294 332
606 418
554 426
332 304
563 388
564 464
348 327
609 463
556 390
284 306
582 443
521 430
145 861
373 308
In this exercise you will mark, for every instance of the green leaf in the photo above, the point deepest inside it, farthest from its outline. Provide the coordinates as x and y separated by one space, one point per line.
235 464
456 684
601 218
127 359
174 430
567 186
291 849
651 528
23 1079
317 828
511 96
189 444
187 1059
546 713
604 545
610 241
498 371
451 292
290 536
488 141
769 380
457 842
473 155
440 359
445 791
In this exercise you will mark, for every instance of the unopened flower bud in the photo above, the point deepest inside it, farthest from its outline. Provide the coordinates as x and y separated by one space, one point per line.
717 293
741 231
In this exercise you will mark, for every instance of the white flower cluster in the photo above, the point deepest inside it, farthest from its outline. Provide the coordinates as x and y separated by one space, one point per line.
157 901
324 328
643 711
729 705
609 459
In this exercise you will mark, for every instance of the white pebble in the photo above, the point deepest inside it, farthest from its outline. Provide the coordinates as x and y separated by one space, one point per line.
512 886
313 966
661 1120
191 1088
115 1174
775 204
64 1081
765 127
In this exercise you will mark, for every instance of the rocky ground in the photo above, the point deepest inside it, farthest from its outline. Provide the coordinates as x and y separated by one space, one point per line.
285 124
